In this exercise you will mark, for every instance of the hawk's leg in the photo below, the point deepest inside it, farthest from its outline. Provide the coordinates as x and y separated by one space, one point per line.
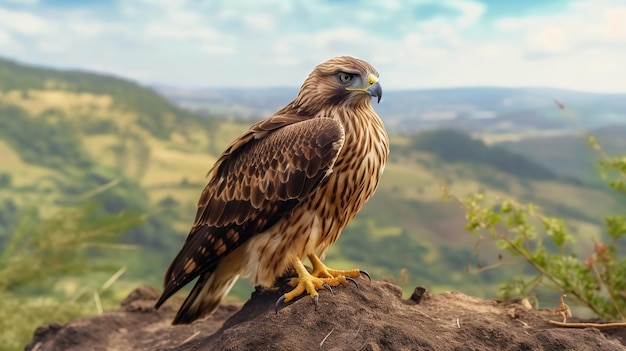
320 278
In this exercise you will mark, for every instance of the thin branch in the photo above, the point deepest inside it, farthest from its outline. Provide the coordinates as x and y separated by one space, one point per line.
491 266
589 325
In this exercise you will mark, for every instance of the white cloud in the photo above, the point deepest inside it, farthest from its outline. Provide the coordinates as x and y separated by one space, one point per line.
584 24
5 38
548 40
338 38
583 48
262 22
23 2
217 49
23 22
471 12
166 31
274 42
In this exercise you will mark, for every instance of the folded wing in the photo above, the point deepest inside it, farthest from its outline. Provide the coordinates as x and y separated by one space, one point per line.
260 177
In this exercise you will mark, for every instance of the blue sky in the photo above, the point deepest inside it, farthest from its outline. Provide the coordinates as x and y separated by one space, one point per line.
572 44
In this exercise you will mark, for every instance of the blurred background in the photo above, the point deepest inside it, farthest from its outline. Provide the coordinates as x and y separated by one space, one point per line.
112 112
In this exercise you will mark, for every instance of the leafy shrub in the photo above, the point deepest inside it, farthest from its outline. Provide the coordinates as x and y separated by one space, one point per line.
597 281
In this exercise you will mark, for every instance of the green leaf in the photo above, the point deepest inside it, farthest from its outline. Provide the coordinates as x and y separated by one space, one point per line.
615 226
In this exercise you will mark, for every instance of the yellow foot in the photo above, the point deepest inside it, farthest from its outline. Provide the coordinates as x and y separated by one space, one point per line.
321 271
322 277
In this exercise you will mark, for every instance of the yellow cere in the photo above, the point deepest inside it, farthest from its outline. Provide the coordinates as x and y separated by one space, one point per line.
371 80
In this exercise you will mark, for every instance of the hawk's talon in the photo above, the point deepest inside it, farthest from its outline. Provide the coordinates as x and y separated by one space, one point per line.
318 278
280 300
365 274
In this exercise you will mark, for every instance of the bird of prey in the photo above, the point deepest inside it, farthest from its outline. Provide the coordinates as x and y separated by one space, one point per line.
284 190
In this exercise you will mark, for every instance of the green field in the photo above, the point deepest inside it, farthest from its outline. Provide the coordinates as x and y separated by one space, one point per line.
77 140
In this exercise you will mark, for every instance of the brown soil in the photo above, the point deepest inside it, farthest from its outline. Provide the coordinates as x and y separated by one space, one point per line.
371 317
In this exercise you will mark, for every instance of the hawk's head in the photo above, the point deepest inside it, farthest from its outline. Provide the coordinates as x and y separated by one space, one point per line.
341 80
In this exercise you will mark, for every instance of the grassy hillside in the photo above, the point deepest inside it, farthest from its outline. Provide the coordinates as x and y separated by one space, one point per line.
62 134
569 155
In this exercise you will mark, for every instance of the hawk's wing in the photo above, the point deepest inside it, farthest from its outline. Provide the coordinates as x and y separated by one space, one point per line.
260 177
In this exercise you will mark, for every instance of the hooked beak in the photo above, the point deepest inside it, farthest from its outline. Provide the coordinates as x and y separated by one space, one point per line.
376 91
373 87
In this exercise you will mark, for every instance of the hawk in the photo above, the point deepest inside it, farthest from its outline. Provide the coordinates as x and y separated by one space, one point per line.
284 190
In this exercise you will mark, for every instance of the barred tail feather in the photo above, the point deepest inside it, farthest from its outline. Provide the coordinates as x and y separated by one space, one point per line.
205 297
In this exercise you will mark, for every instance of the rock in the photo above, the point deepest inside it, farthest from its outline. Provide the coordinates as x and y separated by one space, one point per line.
372 317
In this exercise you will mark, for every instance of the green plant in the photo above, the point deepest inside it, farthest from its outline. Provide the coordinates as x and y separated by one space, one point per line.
598 280
45 249
62 244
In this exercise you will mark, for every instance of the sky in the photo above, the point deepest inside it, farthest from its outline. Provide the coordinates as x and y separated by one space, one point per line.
418 44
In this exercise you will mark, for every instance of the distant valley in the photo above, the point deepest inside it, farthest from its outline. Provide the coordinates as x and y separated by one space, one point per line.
501 113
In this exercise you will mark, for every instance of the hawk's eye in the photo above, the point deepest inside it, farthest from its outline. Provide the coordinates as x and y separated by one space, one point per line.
345 77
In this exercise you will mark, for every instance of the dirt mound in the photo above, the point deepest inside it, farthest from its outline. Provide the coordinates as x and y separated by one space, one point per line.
371 317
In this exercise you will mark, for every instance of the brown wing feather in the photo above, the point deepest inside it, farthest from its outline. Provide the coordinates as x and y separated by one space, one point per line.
261 177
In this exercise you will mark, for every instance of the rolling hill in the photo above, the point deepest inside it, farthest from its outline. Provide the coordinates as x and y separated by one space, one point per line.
569 155
64 133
